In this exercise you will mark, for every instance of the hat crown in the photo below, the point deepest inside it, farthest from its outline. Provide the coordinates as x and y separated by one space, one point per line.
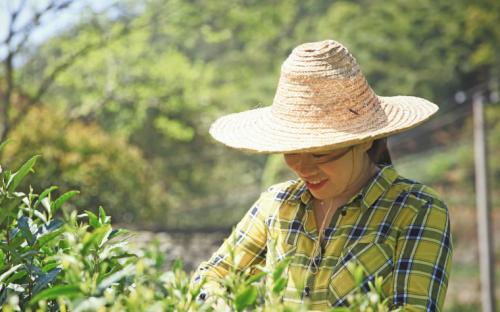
321 84
320 59
322 102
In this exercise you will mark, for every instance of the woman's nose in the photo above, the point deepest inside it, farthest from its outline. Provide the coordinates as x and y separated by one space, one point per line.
305 166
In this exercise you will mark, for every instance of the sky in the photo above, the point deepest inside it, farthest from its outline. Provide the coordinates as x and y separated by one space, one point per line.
49 26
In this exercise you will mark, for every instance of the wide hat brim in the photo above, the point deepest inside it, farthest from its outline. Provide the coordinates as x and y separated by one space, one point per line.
322 102
258 131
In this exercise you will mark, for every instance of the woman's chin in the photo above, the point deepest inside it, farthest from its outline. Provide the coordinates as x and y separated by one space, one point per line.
323 195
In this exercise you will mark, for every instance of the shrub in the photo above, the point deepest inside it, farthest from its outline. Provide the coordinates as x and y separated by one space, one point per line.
52 259
80 155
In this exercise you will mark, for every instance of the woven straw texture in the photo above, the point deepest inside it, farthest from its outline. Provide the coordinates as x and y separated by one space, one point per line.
322 102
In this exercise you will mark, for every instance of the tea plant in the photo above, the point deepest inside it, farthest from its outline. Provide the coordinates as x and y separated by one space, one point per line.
52 259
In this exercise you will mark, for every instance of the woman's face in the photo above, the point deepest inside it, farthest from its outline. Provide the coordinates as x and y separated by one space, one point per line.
332 173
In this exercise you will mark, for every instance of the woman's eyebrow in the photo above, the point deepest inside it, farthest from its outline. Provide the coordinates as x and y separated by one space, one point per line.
339 155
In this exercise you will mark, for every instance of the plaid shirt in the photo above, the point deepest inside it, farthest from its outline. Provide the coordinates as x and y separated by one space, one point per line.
394 227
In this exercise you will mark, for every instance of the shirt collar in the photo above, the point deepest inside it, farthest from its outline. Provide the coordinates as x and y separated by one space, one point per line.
375 187
305 195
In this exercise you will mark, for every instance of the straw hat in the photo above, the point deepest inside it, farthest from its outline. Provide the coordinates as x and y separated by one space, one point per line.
322 102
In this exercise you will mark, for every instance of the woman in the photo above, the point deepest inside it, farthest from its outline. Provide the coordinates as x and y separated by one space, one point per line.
348 205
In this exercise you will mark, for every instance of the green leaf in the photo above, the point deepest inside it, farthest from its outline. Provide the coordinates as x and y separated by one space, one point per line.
54 225
177 265
40 216
118 232
255 278
16 276
16 178
93 219
358 275
49 266
103 218
8 207
124 255
357 272
6 274
280 268
113 248
115 277
96 238
6 177
14 243
3 296
57 204
279 285
245 298
44 194
48 236
30 254
68 291
378 284
16 287
43 280
104 235
25 230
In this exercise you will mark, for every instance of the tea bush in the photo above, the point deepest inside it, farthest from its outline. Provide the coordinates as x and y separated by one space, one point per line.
57 260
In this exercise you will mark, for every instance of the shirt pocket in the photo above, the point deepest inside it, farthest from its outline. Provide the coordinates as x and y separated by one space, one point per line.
278 249
374 258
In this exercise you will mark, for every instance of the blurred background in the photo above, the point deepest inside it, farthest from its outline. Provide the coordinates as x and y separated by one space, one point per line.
117 96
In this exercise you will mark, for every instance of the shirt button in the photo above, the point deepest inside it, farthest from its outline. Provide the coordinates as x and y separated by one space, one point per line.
307 291
202 296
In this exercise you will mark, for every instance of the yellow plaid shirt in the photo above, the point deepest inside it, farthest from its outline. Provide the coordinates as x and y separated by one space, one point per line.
394 227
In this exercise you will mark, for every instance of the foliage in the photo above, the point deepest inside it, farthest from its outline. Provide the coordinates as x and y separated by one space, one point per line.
455 165
78 262
155 74
481 38
370 301
107 169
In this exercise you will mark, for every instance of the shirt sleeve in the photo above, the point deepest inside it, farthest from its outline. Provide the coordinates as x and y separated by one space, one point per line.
423 259
248 245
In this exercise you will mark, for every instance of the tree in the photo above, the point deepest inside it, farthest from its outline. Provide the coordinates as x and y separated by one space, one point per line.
106 169
180 64
22 22
13 45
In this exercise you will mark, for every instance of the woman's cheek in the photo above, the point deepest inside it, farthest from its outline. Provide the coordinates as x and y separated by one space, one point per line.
331 170
290 164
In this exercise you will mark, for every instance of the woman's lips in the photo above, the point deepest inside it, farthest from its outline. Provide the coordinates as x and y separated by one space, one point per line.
316 186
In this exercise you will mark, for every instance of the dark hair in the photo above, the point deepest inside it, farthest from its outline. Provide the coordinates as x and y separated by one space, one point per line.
379 153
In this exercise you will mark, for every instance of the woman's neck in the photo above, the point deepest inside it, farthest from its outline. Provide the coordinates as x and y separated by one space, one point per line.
365 174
